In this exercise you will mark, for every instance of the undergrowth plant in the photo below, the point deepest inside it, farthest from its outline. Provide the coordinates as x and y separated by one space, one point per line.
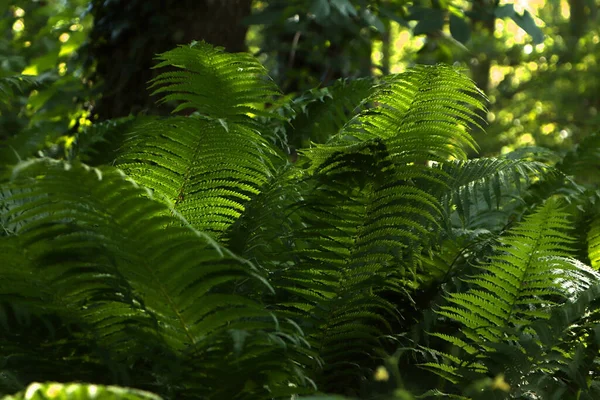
200 256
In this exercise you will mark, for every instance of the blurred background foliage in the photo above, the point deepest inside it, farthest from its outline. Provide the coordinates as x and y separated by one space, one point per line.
67 65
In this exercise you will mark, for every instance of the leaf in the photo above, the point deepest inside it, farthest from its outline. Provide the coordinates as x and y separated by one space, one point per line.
527 23
524 21
431 21
344 7
507 10
459 29
320 8
372 20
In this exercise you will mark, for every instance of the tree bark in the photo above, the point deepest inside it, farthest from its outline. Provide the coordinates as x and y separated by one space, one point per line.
128 34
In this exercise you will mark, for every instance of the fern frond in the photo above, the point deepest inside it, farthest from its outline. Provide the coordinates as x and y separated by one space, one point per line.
204 170
320 113
487 180
119 262
583 159
17 83
422 115
593 242
214 83
531 272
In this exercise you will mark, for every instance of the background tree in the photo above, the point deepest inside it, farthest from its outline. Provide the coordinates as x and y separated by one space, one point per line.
129 33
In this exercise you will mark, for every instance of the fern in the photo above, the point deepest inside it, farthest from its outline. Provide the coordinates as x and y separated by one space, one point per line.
208 266
531 273
361 214
593 240
120 263
17 83
214 83
205 171
318 114
488 181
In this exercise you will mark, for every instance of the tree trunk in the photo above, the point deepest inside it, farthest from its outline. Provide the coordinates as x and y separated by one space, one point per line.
128 34
485 24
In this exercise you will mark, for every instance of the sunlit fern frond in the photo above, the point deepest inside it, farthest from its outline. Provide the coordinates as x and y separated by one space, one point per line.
138 277
207 166
531 273
417 117
205 170
593 242
422 115
214 83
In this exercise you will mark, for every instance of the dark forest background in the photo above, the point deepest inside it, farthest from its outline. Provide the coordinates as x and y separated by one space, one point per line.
536 60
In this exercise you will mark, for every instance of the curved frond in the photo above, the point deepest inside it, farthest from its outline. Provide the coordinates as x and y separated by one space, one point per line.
205 170
320 113
487 180
422 115
213 82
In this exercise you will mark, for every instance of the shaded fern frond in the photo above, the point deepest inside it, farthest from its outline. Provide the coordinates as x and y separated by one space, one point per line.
320 113
487 180
139 278
17 83
139 245
585 157
214 83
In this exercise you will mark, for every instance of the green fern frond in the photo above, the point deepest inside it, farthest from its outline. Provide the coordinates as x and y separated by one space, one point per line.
138 227
583 159
488 179
531 271
214 83
320 113
593 241
17 83
120 262
204 170
422 115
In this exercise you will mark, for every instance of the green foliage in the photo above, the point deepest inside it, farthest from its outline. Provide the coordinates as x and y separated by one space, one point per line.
58 391
194 260
11 84
214 83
